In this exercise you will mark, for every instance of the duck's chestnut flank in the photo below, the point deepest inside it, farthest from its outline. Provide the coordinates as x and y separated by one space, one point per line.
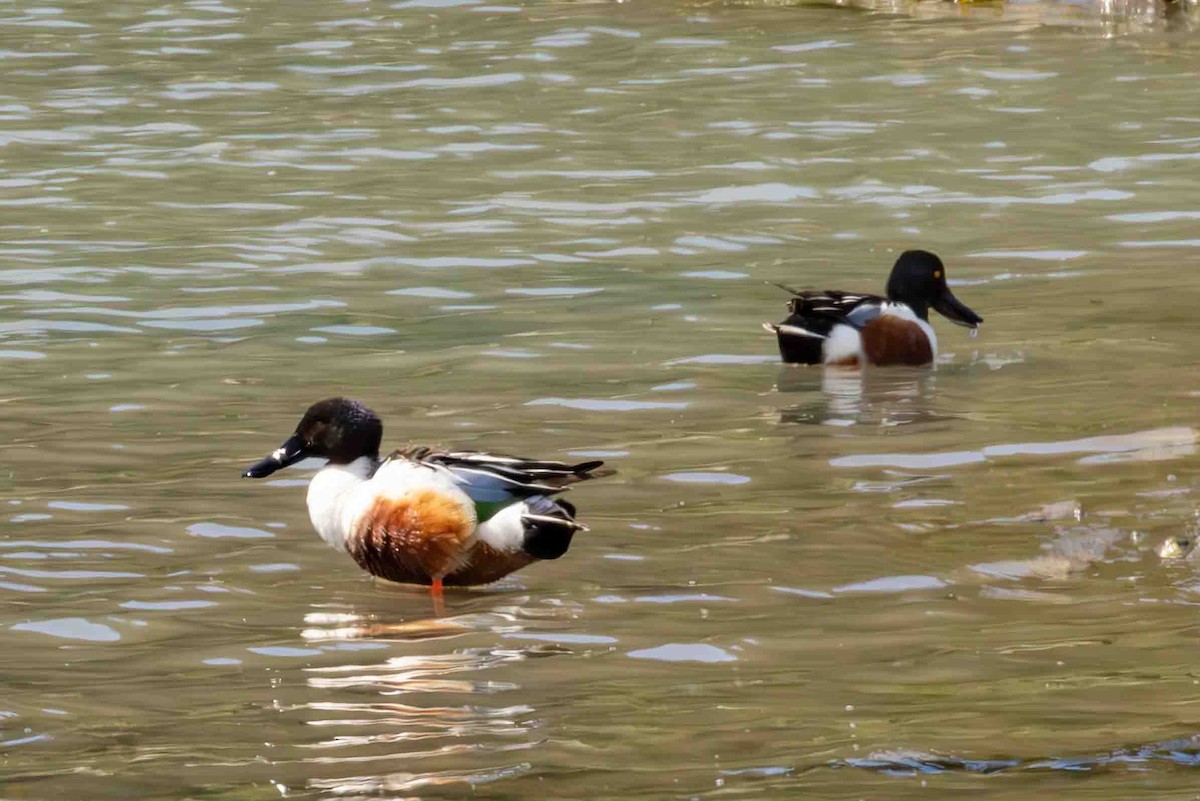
412 538
890 339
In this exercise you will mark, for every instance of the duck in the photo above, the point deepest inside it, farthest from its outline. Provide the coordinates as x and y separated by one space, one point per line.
850 329
423 515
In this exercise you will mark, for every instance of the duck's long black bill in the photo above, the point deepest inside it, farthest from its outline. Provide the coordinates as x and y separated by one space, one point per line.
289 452
955 310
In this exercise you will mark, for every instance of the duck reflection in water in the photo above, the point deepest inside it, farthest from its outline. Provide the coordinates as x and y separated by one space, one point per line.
405 722
846 396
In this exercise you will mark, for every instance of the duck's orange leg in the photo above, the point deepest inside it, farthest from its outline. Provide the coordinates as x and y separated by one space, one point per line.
435 592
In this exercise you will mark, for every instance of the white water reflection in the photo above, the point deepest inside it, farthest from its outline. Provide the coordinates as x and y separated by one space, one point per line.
1154 445
71 628
409 719
843 397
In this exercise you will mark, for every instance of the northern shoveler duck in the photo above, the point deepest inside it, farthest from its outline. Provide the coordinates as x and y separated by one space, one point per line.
844 328
424 516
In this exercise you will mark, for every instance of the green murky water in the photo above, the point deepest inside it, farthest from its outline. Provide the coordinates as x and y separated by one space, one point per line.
546 228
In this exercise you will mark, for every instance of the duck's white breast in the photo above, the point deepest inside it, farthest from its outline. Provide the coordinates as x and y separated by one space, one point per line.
334 491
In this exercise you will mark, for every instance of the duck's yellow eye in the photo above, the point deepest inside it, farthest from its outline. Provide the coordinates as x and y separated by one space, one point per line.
937 273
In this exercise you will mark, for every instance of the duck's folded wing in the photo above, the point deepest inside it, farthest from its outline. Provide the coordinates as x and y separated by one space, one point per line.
493 478
819 311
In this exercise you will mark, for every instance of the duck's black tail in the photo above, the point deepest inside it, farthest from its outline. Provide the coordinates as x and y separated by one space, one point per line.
797 345
549 526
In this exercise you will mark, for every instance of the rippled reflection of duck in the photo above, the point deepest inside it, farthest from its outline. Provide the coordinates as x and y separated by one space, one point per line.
849 397
424 516
424 717
844 328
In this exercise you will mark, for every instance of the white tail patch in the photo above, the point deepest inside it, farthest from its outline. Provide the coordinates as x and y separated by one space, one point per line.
556 521
504 530
793 330
843 344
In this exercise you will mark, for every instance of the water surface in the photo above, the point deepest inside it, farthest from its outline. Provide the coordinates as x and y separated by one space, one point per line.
548 228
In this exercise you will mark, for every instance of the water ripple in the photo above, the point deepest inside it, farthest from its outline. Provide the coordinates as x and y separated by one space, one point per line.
1183 752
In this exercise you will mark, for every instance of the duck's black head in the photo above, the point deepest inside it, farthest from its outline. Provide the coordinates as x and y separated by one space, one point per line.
338 429
919 281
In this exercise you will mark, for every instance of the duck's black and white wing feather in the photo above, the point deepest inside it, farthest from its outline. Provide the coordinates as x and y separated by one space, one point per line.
820 311
495 478
812 317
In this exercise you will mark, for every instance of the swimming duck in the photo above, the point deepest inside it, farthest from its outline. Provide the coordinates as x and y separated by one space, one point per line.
425 516
845 328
